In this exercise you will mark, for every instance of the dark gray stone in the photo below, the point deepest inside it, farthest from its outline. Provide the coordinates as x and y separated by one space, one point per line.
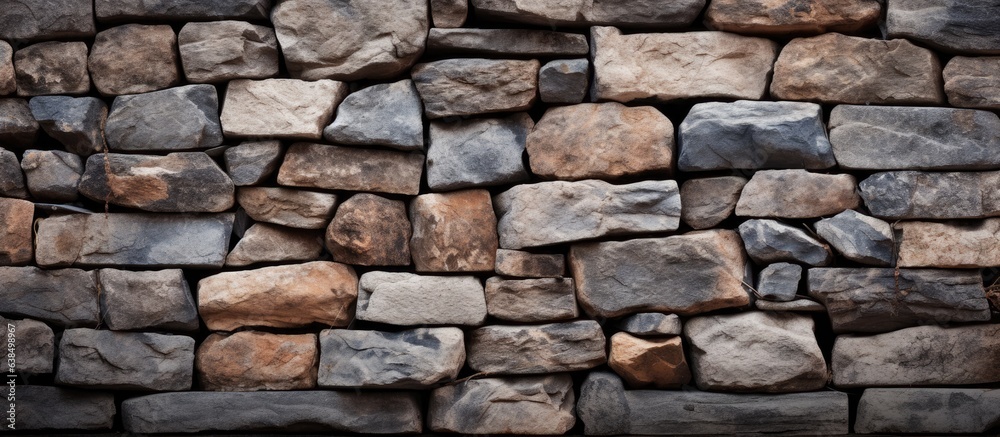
125 360
538 405
252 162
531 300
779 282
530 265
76 122
412 359
770 241
651 324
629 13
47 19
34 345
63 297
155 300
139 122
858 237
52 68
797 305
11 178
219 51
963 26
923 195
52 175
387 114
478 152
519 350
77 409
707 202
928 411
181 10
506 42
564 81
18 128
460 87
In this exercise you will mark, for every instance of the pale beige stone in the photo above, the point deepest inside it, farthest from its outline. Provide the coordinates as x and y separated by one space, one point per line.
476 86
970 244
15 231
797 194
280 108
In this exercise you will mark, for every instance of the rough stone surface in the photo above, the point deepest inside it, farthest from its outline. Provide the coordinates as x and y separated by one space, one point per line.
560 212
857 70
34 347
250 361
797 194
370 230
8 80
11 177
859 238
519 350
224 50
477 152
564 81
950 25
157 300
949 245
779 282
756 352
281 297
280 108
287 207
506 42
797 305
476 86
78 409
919 356
77 123
180 10
411 359
704 269
125 360
925 195
657 363
18 128
770 241
16 219
253 162
928 410
133 59
970 82
453 232
264 242
386 114
179 118
47 19
344 168
882 300
52 175
61 297
754 135
644 66
708 201
52 68
651 324
529 265
770 17
449 13
409 299
513 405
531 300
629 13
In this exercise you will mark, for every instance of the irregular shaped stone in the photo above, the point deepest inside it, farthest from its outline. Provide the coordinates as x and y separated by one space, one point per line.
409 299
47 19
287 207
370 230
252 162
754 135
779 282
531 300
903 138
345 168
133 59
138 122
970 244
137 240
219 51
560 212
52 175
61 297
970 82
477 152
76 122
882 300
78 409
180 10
387 114
928 410
265 242
8 79
657 363
858 71
11 178
952 25
280 108
925 195
529 265
797 305
919 356
768 17
770 241
18 128
125 360
158 300
34 346
476 86
630 13
651 324
858 237
564 81
718 65
412 359
606 408
449 13
348 41
282 297
797 194
251 360
16 220
52 68
704 269
513 405
520 350
756 352
709 201
506 42
453 232
382 412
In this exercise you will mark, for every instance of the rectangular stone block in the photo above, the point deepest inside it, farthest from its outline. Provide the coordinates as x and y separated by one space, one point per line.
34 346
901 195
959 245
61 297
928 411
40 407
280 108
345 168
15 231
411 359
531 300
521 350
409 299
125 360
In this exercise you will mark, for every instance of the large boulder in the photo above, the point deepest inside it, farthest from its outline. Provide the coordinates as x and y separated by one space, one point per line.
411 359
453 232
280 108
512 405
519 350
93 358
61 297
407 299
931 195
767 17
958 245
961 26
253 360
345 168
137 122
627 13
476 86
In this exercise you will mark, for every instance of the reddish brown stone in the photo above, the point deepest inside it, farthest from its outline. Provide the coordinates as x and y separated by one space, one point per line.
345 168
287 207
649 362
782 17
250 361
454 232
133 59
15 231
370 230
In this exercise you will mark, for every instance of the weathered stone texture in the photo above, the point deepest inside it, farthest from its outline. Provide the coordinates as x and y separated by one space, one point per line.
651 324
159 300
453 232
77 123
181 118
512 405
770 241
344 168
506 42
656 363
133 59
970 244
52 68
476 86
11 177
61 297
287 207
47 19
708 201
252 162
264 242
250 361
628 13
972 83
519 350
529 265
531 300
180 10
770 17
18 128
370 230
449 13
386 114
858 237
78 409
224 50
34 346
564 81
16 219
797 194
409 299
779 282
477 152
961 26
8 80
280 108
412 359
928 410
926 195
125 360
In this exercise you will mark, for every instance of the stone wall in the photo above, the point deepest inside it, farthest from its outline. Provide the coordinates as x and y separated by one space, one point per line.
501 216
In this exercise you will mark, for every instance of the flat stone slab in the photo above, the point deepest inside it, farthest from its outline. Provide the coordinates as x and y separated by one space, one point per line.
264 242
48 19
345 168
78 409
412 359
950 25
513 405
506 42
287 207
531 300
928 410
959 245
902 195
61 297
520 350
409 299
765 17
476 86
523 264
180 10
280 108
121 360
797 194
627 13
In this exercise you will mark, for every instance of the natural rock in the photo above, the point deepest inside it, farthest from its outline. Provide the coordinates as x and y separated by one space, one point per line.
919 356
766 17
449 13
52 68
287 207
858 237
858 71
531 300
951 25
704 269
770 241
219 51
560 212
140 122
47 19
476 86
709 201
136 240
282 297
925 195
629 13
280 108
754 135
11 178
8 81
928 411
146 300
180 10
477 152
529 265
756 352
76 122
970 82
513 405
265 242
16 218
251 360
409 299
797 305
411 359
719 65
519 350
453 232
78 409
34 346
506 42
121 360
651 324
370 230
779 282
18 129
133 59
61 297
52 175
797 194
386 114
882 300
252 162
657 363
949 245
564 81
902 138
348 41
345 168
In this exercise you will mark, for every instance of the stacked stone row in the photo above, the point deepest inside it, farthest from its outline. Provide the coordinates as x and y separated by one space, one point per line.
364 217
